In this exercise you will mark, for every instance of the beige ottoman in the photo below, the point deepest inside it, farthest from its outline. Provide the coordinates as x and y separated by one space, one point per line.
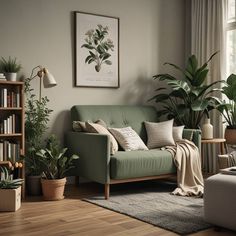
220 200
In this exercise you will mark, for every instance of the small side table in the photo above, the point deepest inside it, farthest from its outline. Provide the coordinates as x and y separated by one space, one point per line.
220 141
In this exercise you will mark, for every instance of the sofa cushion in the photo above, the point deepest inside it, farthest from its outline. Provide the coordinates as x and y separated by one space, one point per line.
96 128
128 139
160 134
178 132
117 116
135 164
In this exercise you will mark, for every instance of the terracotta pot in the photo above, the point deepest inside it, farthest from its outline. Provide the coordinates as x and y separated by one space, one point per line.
33 184
53 189
230 136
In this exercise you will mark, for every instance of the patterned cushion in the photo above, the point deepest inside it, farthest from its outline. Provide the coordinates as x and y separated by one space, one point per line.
96 128
128 139
159 134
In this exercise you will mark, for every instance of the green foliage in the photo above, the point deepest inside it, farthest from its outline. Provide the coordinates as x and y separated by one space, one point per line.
6 181
228 108
98 47
9 65
187 99
55 163
36 118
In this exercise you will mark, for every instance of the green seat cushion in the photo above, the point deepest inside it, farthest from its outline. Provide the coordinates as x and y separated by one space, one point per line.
133 164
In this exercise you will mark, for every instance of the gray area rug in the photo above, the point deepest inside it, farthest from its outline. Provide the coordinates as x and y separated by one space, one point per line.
155 205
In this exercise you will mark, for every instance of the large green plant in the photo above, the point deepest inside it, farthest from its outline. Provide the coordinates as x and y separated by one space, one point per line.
55 163
36 119
186 99
9 65
228 108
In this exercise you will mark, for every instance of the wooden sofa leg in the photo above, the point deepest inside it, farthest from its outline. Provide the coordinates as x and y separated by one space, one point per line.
107 191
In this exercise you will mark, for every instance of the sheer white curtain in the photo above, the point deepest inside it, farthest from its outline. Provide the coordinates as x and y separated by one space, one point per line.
208 20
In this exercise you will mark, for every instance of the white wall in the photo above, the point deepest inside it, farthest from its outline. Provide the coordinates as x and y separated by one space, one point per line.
41 32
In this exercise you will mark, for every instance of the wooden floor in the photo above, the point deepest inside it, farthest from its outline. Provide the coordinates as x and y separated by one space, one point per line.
72 216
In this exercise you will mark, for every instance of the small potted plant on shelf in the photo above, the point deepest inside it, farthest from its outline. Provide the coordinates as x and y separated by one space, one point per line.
228 108
10 68
36 118
10 191
55 165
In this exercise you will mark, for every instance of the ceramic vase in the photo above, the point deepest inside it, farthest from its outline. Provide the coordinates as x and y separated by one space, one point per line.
207 130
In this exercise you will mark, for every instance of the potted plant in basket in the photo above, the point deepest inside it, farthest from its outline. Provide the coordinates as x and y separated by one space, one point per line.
10 68
36 119
55 165
228 108
10 191
188 98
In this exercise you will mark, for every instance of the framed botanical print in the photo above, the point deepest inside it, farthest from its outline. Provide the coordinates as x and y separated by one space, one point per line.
97 50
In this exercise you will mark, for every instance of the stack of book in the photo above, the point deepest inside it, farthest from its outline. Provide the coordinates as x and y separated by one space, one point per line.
2 76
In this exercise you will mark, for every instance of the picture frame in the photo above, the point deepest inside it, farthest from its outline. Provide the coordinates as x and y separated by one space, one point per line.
96 50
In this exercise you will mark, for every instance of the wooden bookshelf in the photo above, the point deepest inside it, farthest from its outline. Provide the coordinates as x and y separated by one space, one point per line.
12 132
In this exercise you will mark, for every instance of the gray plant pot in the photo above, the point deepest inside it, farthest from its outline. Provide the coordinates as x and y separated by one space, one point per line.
11 76
33 184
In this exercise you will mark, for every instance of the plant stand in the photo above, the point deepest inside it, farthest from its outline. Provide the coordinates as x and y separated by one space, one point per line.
10 199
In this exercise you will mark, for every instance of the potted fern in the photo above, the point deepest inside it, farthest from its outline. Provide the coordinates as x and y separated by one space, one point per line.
10 191
10 68
55 165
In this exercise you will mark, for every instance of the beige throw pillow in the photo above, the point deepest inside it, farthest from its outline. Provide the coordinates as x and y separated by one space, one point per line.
159 134
96 128
178 133
79 126
128 139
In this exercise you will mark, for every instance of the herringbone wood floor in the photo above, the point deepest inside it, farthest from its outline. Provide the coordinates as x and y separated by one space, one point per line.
72 216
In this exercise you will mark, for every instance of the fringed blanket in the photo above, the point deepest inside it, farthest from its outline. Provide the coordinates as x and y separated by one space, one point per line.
232 158
189 175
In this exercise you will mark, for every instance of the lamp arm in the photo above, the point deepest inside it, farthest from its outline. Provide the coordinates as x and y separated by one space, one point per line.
32 72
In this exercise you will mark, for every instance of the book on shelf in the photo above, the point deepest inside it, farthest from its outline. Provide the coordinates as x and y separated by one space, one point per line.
9 151
10 125
9 98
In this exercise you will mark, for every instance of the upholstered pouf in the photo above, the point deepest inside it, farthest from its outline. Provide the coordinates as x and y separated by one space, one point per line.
220 200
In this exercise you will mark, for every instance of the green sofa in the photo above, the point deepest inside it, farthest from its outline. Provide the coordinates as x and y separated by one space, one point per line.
96 163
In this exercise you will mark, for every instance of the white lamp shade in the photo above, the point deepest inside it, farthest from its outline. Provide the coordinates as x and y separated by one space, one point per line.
48 79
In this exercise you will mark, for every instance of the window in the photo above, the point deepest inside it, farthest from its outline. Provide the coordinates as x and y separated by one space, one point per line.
231 38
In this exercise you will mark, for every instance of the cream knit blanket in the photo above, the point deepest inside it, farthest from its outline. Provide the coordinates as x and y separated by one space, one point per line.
189 175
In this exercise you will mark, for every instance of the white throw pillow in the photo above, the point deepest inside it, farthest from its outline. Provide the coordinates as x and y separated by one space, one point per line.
96 128
128 139
178 133
159 134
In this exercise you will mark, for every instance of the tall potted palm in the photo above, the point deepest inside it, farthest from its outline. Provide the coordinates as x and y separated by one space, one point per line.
227 108
55 165
189 98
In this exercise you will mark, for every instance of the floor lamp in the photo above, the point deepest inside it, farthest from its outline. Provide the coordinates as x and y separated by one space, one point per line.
45 76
